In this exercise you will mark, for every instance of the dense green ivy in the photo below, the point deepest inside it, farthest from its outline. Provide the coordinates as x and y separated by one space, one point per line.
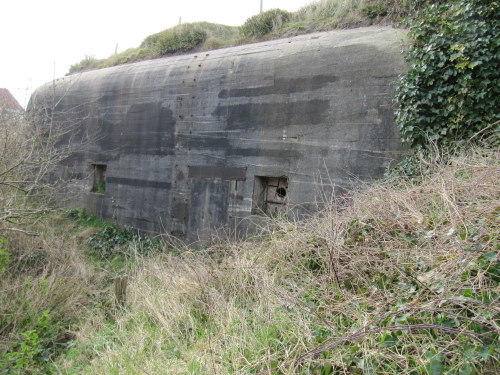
451 90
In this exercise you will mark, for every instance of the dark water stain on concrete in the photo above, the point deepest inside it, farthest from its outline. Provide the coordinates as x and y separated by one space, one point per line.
254 116
281 86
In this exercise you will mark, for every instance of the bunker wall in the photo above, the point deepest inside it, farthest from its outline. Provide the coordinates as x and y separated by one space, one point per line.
194 143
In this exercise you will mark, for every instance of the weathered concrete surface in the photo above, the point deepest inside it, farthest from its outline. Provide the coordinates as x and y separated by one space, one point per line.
192 143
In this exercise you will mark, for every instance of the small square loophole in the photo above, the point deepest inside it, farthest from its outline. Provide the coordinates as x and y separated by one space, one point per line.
270 195
99 181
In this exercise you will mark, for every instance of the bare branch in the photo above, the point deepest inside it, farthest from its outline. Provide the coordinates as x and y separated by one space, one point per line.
19 231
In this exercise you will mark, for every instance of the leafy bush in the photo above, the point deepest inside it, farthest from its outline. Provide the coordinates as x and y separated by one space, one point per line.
451 90
173 40
105 242
43 290
87 63
112 239
32 352
79 214
375 9
264 23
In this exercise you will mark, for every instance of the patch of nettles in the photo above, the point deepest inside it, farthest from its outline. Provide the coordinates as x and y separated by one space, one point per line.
449 97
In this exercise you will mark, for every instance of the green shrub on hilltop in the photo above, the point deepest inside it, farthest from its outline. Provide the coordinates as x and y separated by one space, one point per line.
87 63
128 56
265 23
174 40
178 39
451 90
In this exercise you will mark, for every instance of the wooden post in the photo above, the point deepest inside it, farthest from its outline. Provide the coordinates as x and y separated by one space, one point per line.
121 291
261 5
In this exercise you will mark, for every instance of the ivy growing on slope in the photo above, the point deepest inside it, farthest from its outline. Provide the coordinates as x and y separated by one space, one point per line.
450 93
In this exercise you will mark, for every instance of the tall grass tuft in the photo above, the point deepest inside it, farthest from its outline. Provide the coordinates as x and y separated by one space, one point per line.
44 289
264 23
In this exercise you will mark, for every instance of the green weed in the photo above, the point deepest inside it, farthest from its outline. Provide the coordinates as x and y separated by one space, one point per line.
4 254
265 23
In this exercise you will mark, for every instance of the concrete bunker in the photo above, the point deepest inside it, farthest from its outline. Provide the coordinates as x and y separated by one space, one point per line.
190 144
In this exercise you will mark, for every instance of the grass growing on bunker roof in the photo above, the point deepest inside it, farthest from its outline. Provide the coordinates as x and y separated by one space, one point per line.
183 38
321 15
405 279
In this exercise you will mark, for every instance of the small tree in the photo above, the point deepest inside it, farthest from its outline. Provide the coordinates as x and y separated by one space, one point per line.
31 147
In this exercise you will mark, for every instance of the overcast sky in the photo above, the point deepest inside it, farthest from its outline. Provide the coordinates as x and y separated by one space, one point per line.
40 39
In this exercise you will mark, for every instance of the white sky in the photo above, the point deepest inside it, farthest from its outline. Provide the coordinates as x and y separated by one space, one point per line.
40 39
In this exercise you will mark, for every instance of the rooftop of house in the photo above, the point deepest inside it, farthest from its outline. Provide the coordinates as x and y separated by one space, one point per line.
8 101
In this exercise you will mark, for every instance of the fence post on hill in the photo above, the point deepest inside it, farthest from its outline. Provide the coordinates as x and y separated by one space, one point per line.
121 291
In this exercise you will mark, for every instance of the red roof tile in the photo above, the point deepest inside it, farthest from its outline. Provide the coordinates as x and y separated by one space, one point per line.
8 101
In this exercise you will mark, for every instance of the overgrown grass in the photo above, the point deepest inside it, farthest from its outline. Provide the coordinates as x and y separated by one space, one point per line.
43 291
403 280
49 281
321 15
179 39
343 14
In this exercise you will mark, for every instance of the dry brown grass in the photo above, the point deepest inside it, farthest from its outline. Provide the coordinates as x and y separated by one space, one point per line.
86 233
46 274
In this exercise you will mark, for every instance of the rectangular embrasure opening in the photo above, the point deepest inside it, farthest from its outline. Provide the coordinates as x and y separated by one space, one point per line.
99 181
270 195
